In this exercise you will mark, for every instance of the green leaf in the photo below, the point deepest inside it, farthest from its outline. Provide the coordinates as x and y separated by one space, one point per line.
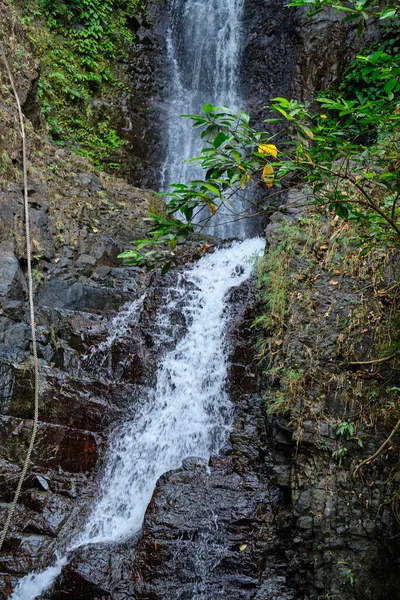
306 130
128 254
220 139
283 112
388 13
244 180
283 101
207 108
342 210
390 85
165 269
212 188
351 18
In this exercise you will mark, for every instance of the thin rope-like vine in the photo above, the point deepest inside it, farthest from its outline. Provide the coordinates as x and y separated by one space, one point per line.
31 307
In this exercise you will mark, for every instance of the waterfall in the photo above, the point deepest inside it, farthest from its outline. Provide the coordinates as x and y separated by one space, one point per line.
203 44
188 413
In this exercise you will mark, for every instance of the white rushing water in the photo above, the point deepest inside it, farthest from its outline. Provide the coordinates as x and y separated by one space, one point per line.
204 45
188 413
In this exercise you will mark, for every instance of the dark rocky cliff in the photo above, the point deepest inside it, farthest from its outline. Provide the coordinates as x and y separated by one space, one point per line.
324 370
274 517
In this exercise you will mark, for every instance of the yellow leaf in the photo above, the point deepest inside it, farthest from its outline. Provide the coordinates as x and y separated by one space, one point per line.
323 116
212 208
268 149
240 167
244 180
242 547
309 158
268 176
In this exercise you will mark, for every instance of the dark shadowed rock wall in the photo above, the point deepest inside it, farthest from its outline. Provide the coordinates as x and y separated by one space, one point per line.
287 54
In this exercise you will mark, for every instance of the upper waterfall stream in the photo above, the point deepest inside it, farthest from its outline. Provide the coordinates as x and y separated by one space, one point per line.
204 46
188 413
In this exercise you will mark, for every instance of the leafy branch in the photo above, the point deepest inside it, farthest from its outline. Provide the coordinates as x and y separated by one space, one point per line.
359 10
357 181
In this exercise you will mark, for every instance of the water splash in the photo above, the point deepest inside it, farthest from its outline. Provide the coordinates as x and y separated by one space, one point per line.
34 584
188 413
118 327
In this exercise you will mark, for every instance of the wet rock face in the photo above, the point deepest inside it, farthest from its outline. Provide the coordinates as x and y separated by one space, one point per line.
286 54
88 381
141 113
80 222
337 523
202 529
271 44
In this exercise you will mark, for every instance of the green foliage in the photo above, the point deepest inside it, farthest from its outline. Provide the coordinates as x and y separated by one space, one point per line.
359 11
5 161
338 456
163 236
273 281
281 401
79 42
346 573
279 404
331 153
376 74
344 428
346 154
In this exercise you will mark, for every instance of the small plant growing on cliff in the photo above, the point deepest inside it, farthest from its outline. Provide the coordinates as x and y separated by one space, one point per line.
338 456
278 404
5 161
346 573
344 428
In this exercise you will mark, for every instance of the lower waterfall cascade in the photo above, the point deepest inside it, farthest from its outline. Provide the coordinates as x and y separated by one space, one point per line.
188 413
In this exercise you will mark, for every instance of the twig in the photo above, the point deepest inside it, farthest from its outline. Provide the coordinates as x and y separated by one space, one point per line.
371 362
368 460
